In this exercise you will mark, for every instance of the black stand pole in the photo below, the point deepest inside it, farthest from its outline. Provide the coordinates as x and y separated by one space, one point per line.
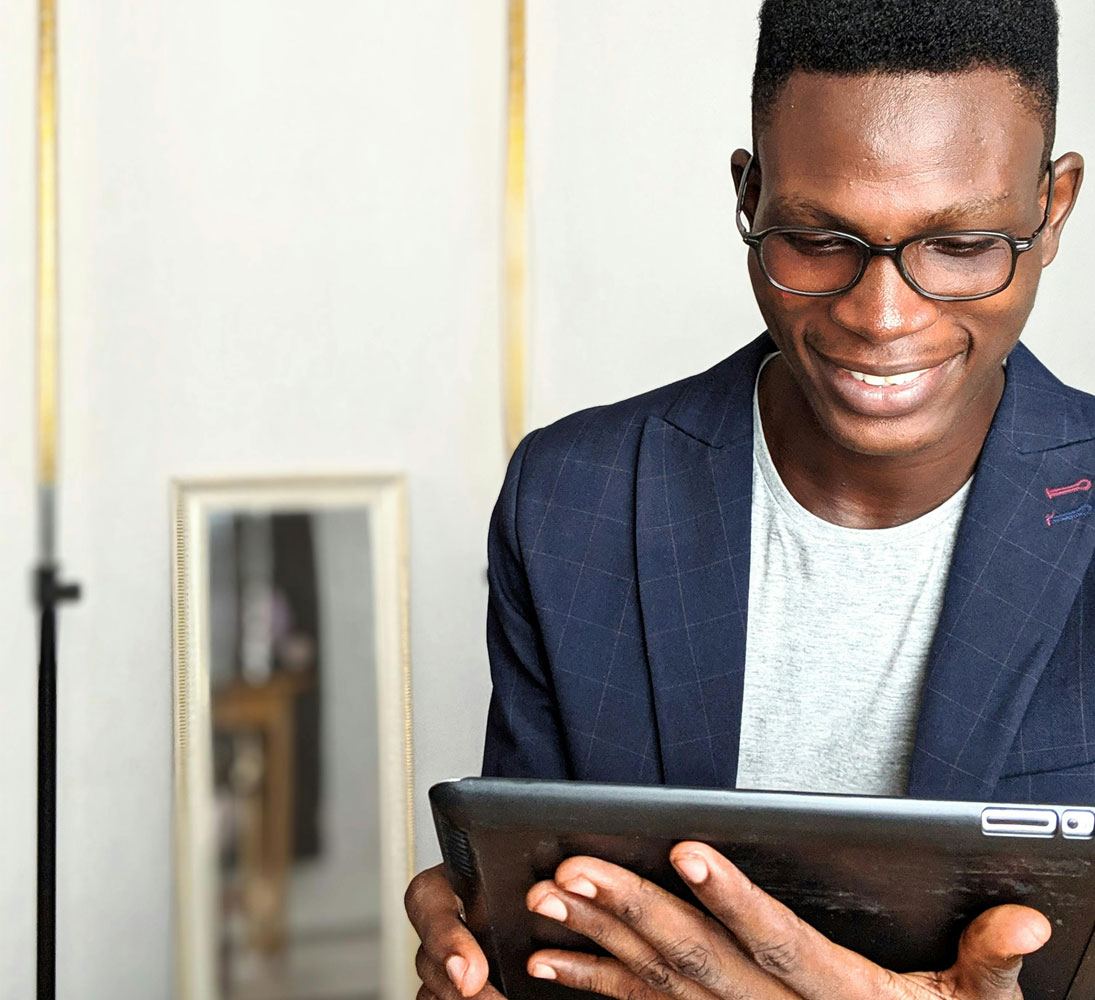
49 592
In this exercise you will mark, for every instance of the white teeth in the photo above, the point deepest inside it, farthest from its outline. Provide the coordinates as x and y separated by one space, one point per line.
901 378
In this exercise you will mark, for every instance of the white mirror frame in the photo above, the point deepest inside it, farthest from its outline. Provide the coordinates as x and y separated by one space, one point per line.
194 848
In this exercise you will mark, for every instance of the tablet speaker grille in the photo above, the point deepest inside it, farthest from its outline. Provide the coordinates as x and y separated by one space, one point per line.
458 851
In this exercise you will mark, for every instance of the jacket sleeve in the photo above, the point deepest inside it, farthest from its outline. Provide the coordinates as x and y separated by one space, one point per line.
524 731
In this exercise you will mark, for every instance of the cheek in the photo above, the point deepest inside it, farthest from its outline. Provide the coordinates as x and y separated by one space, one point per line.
788 316
995 323
780 309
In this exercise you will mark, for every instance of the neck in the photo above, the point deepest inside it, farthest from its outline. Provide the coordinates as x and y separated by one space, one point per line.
852 489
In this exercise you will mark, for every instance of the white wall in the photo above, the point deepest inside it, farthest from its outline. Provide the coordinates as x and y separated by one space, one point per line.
280 254
17 527
280 249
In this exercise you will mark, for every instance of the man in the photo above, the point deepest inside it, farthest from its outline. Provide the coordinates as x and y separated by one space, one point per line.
892 492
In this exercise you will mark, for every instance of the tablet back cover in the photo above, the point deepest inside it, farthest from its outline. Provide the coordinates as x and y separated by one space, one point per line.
894 879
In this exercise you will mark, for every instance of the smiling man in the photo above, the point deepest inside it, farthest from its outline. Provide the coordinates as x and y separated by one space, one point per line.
856 556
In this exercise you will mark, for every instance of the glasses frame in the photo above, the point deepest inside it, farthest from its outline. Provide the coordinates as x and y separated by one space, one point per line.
754 239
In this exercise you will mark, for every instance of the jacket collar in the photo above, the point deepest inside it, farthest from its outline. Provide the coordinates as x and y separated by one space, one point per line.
716 408
693 500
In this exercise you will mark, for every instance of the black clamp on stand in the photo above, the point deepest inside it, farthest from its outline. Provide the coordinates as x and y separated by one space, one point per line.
49 593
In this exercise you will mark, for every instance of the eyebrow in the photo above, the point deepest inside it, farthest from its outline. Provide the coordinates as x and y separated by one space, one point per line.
956 216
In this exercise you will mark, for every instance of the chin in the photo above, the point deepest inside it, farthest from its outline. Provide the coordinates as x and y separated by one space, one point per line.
883 438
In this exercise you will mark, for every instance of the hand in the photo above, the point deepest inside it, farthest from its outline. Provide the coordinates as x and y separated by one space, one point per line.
450 962
756 949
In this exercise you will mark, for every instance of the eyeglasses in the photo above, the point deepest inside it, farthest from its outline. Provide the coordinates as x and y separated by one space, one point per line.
950 267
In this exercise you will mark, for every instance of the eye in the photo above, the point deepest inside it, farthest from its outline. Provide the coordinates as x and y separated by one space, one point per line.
815 244
958 245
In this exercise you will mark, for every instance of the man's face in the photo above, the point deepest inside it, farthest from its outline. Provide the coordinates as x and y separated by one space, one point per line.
887 157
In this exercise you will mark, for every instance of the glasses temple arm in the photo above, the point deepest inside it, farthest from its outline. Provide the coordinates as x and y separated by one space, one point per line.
741 195
1049 206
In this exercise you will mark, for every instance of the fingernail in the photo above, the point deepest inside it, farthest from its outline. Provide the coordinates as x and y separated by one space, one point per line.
1036 938
693 868
551 906
456 966
581 886
541 971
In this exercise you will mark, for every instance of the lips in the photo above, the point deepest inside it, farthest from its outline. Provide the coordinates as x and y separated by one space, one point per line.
898 378
891 391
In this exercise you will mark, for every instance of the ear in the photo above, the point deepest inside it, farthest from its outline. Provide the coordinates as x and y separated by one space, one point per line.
1068 175
737 168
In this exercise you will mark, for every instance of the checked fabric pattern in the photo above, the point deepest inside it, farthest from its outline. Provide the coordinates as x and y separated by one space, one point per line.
619 573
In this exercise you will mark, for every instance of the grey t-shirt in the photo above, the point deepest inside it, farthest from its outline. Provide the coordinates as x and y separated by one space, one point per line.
840 625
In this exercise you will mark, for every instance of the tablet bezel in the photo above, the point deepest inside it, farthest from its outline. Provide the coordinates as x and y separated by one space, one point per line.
515 815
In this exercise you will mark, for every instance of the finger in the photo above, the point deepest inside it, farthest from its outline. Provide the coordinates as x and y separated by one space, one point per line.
990 954
668 944
437 984
585 917
776 940
596 974
434 911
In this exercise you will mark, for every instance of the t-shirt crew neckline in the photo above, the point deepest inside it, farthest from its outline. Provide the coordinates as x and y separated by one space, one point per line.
791 508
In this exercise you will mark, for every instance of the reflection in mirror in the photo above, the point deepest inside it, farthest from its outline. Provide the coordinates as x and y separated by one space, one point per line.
293 839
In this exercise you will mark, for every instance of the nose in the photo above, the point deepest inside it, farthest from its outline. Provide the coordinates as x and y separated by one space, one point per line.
883 306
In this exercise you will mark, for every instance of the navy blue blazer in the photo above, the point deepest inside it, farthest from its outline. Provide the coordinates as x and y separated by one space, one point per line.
619 579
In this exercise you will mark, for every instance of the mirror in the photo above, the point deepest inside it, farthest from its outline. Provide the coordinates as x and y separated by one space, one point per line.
293 798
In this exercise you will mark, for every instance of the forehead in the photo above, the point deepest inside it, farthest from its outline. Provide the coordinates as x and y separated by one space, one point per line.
912 141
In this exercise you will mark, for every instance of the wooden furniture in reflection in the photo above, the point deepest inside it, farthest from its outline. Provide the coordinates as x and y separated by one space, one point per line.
266 844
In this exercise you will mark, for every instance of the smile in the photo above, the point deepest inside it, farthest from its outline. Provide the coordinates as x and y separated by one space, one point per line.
891 390
899 378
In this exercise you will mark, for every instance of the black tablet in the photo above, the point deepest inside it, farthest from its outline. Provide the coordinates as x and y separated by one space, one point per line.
894 879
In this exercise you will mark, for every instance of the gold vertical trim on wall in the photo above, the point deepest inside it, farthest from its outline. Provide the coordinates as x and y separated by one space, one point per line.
515 307
47 245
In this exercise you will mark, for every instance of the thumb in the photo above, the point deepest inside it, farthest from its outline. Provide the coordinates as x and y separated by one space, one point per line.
991 952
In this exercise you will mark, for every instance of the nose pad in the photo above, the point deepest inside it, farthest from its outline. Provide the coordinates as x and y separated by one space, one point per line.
882 305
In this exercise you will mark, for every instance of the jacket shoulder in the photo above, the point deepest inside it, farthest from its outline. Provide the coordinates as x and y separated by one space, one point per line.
602 435
713 406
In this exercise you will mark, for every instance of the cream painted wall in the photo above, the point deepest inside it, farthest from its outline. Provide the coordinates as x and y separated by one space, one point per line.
17 529
280 253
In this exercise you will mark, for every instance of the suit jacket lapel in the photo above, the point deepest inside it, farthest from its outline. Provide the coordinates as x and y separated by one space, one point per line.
1020 557
693 502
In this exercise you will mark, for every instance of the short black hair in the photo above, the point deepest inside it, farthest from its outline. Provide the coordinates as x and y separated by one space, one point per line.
853 37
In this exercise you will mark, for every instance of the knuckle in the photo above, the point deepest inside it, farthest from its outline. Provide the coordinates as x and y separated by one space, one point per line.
778 957
1002 980
691 959
655 973
889 983
635 905
421 962
418 887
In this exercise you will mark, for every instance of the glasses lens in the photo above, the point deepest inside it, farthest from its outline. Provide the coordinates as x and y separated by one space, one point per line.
959 264
804 260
